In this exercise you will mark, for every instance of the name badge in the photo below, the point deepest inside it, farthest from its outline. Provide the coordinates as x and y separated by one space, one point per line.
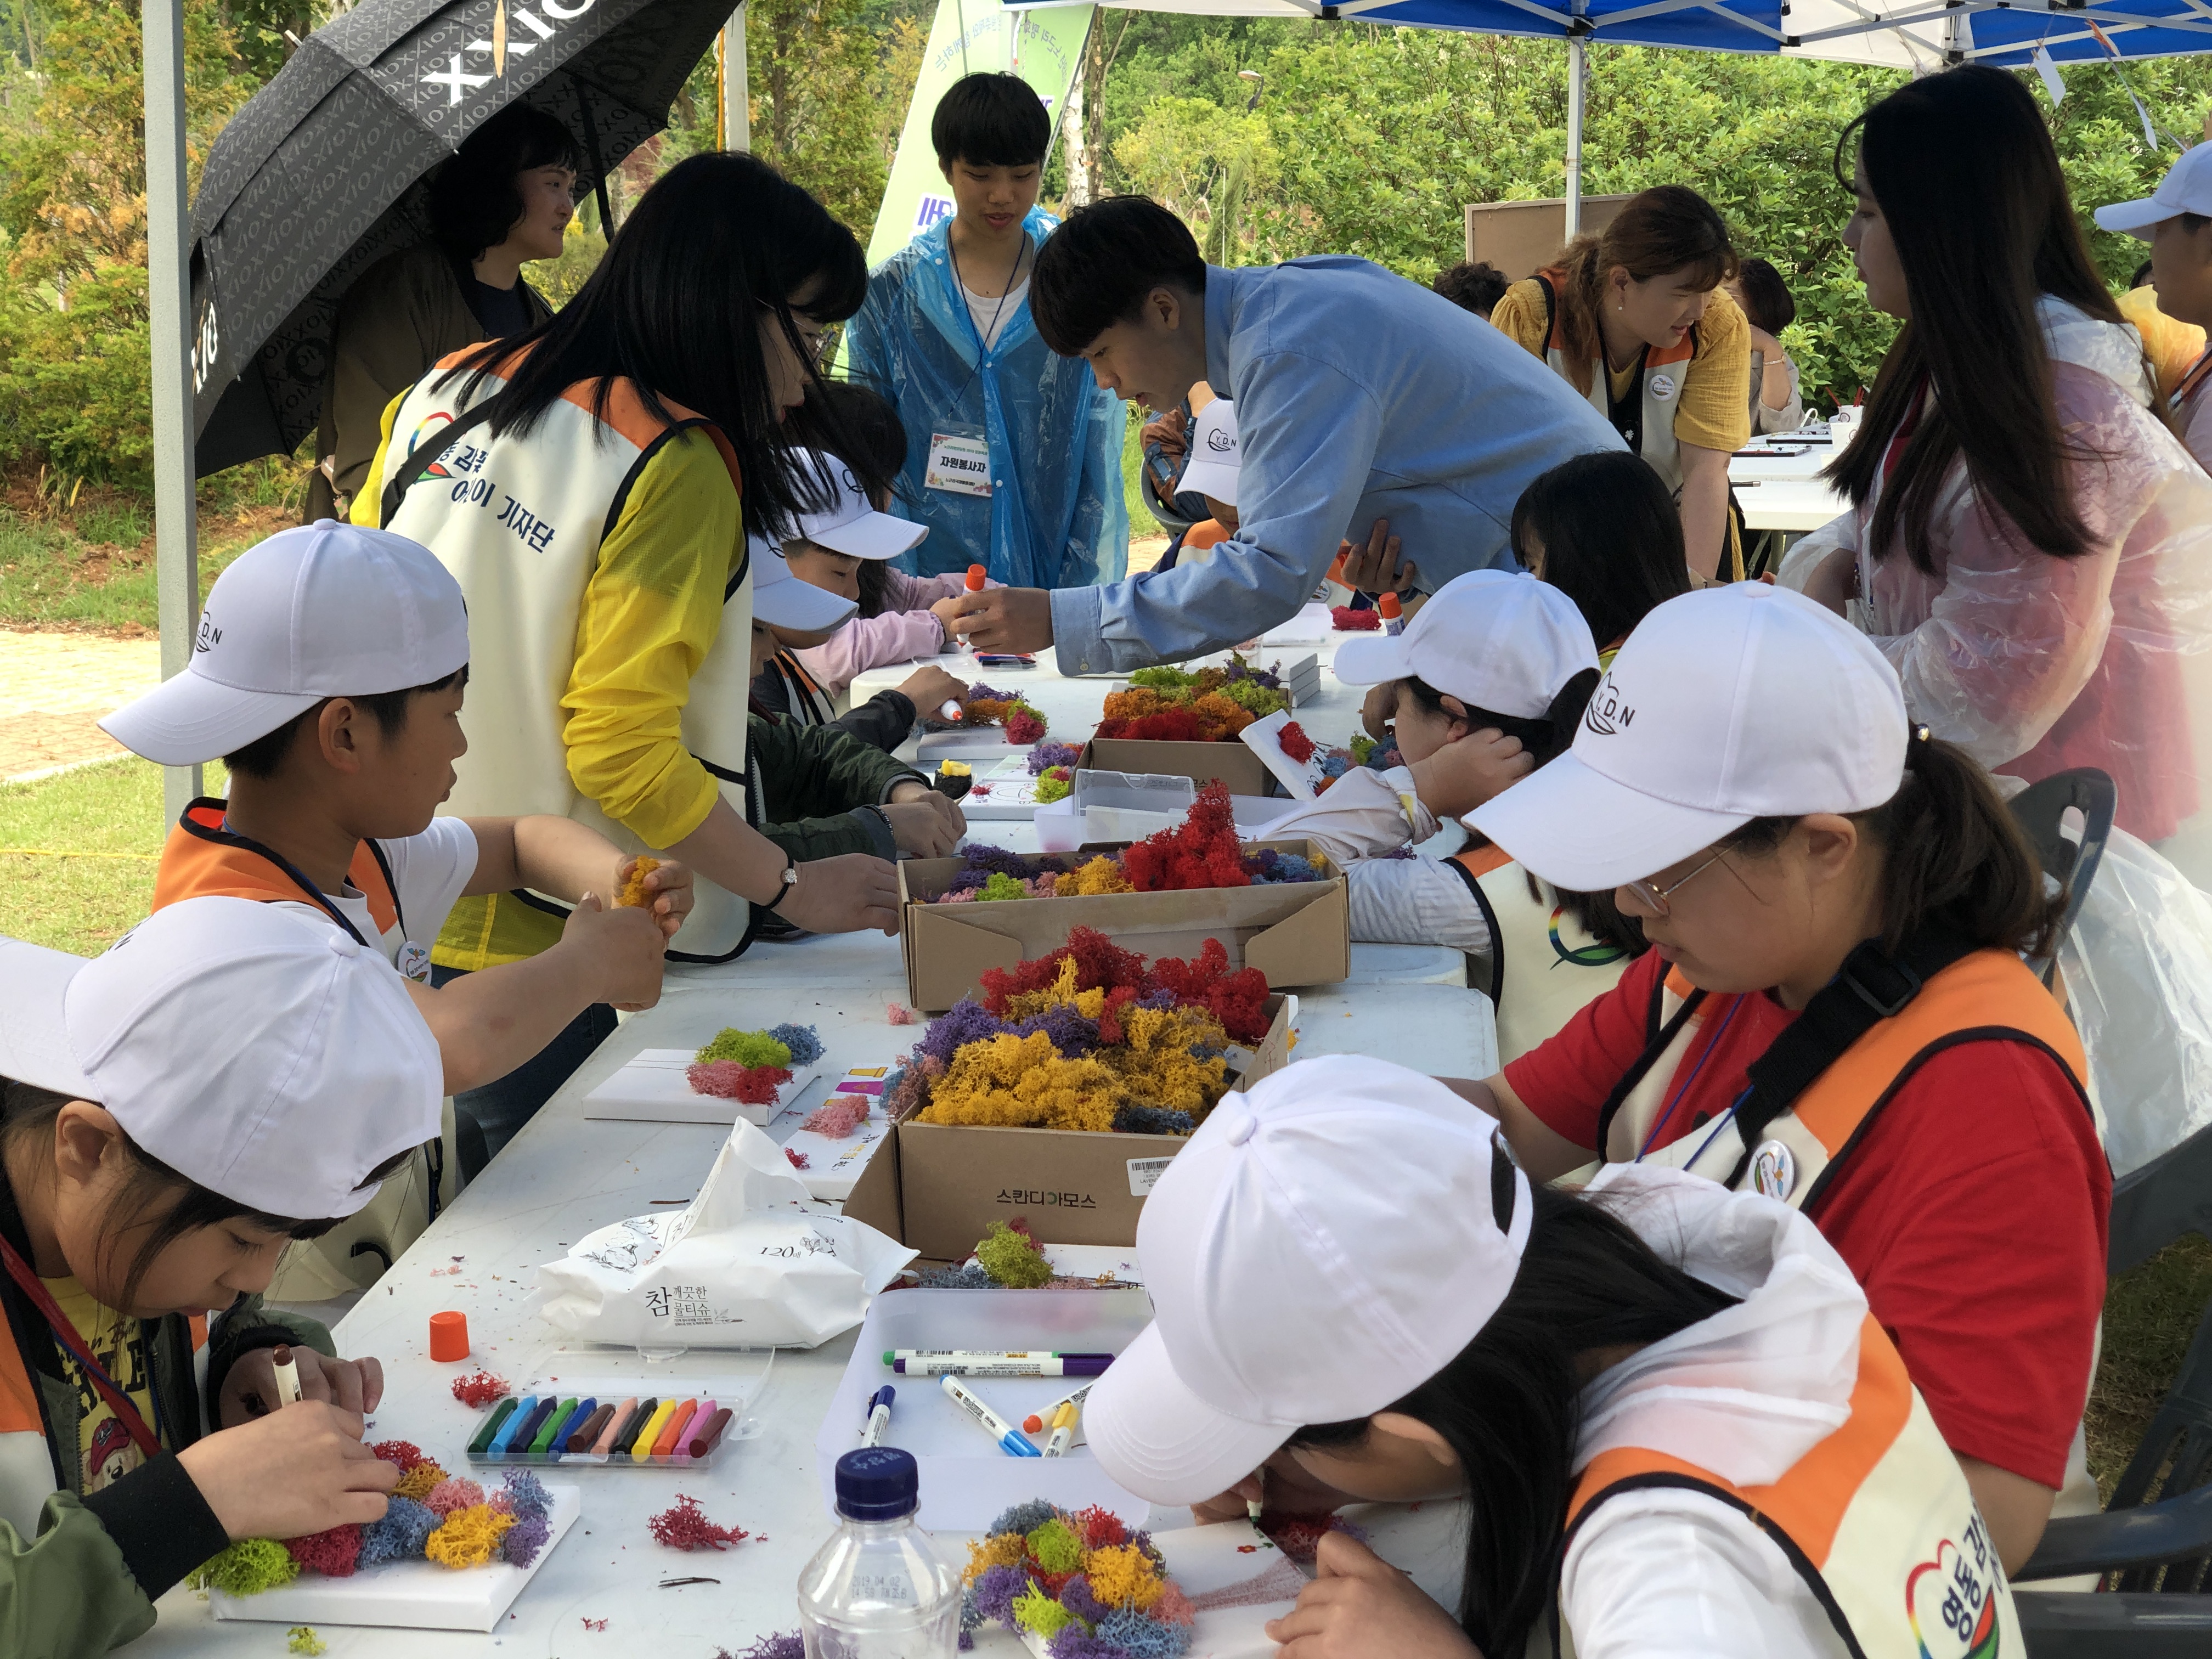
414 963
959 463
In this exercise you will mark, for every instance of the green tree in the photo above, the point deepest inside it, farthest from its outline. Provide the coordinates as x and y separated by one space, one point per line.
813 71
1206 163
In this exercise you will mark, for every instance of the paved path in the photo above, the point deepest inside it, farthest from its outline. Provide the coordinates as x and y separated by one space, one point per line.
54 686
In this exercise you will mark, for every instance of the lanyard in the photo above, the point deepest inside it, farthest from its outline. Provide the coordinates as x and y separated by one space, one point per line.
1683 1088
66 1334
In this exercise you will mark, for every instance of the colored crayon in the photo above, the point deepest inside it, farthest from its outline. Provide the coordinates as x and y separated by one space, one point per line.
562 1431
633 1418
579 1440
500 1413
562 1412
664 1443
514 1439
642 1448
705 1440
616 1415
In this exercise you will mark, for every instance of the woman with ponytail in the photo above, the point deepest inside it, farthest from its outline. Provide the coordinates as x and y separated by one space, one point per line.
1644 301
2027 544
1488 682
1834 1011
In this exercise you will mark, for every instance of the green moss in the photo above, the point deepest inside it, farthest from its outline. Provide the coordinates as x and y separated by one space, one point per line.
748 1048
1056 1548
1161 677
1013 1261
1361 746
1002 886
247 1568
1037 1613
305 1640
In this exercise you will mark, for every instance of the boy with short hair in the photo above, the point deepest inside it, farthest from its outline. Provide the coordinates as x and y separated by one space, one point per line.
2176 219
329 672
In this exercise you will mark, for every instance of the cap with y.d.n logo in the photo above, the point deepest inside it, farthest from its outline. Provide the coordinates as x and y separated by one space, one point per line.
1735 703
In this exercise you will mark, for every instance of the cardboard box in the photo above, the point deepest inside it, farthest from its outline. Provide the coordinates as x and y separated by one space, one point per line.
1201 762
937 1187
1298 934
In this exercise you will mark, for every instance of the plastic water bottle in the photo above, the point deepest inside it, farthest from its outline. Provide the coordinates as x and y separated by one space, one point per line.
880 1589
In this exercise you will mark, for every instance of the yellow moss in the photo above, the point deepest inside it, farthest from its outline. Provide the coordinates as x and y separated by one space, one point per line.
1013 1082
1154 1062
1062 989
955 770
633 895
1220 718
417 1481
1003 1549
1102 875
469 1536
1121 1575
1135 703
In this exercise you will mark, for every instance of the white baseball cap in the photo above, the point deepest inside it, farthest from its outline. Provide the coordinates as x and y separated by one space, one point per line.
1215 456
1735 703
786 599
1324 1244
258 1052
2186 188
1498 640
851 524
326 610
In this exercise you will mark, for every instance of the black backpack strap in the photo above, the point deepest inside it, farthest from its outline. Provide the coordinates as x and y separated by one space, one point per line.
1551 308
1871 985
1662 1038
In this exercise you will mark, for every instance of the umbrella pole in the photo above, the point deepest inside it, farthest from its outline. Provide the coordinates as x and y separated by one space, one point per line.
176 534
1574 137
598 161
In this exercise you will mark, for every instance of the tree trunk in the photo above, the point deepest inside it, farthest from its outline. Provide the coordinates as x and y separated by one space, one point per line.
1071 132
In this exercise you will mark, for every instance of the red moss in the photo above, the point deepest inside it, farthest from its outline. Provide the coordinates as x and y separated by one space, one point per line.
687 1528
332 1553
1296 744
756 1085
1346 620
1201 851
1238 999
479 1389
1169 726
799 1160
404 1453
1099 1528
1024 726
1098 962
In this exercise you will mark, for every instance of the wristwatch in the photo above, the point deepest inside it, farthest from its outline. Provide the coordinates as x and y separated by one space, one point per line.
789 881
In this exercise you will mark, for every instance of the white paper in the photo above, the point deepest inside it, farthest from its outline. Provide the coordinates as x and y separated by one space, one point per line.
653 1087
405 1595
745 1264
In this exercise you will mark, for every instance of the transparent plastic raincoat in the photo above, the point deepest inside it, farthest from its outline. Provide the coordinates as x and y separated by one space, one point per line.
1056 516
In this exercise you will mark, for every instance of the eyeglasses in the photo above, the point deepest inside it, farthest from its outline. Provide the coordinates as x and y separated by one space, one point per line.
1655 897
812 340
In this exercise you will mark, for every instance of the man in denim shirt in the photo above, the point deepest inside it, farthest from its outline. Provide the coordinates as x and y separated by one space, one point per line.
1359 396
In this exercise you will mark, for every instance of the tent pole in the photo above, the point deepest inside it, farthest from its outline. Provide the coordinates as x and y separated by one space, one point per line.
168 228
737 91
1574 137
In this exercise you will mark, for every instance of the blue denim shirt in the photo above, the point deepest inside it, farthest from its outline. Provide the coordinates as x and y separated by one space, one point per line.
1359 396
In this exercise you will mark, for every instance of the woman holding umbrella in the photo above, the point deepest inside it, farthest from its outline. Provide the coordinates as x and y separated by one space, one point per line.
592 483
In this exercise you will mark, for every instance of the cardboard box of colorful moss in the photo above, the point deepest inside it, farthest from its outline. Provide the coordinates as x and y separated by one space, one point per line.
1175 722
1280 907
1062 1091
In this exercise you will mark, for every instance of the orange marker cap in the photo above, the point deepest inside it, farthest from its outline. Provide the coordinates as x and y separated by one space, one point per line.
1388 608
976 576
449 1336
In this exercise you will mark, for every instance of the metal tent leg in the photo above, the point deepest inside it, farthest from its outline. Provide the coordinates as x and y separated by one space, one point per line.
737 109
1574 137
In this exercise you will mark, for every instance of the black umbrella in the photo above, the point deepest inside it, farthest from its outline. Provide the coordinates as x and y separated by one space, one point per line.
323 171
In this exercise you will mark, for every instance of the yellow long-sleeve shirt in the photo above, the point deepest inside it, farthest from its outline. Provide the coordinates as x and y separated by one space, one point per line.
650 613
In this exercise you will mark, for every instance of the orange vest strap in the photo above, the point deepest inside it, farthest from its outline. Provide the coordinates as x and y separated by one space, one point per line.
1206 532
1482 861
1808 1502
19 1394
202 860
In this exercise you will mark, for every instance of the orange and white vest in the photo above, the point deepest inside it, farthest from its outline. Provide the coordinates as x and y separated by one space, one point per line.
519 520
1558 966
1987 995
1645 417
1876 1518
202 860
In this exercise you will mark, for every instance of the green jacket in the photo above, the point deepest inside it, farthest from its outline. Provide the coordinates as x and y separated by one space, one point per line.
813 787
85 1580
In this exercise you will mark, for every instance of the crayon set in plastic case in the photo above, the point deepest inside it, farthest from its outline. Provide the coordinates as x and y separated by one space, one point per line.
675 1430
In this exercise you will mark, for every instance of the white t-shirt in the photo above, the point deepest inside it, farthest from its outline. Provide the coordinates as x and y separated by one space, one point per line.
429 872
992 312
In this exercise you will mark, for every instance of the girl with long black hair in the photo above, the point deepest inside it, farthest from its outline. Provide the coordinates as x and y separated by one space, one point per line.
2026 543
1674 1424
1601 530
592 483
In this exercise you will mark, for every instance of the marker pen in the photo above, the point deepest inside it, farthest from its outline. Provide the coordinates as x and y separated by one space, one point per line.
503 1443
664 1443
611 1431
893 1355
879 1416
1063 1430
565 1410
1081 1365
287 1375
483 1437
1010 1439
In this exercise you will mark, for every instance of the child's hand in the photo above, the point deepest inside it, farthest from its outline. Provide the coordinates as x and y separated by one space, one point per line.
1379 710
292 1473
670 888
1468 770
844 895
931 688
1362 1608
1282 1483
250 1388
1375 567
623 946
924 824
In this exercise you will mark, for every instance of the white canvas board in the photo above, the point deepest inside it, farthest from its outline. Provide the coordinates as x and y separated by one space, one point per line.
405 1595
652 1088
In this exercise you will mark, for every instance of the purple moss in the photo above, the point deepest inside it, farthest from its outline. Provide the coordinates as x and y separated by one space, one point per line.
1049 753
1072 1035
526 1495
966 1021
1267 866
980 692
786 1644
1070 1641
1132 1634
524 1540
998 1589
1075 1595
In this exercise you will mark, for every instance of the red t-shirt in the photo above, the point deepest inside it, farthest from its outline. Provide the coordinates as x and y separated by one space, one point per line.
1973 1211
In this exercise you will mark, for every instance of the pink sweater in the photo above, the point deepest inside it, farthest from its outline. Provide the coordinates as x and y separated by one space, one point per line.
907 628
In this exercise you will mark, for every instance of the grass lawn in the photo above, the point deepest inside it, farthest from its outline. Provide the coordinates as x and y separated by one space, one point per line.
114 809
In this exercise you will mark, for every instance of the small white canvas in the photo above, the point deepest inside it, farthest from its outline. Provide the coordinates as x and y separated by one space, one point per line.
405 1595
652 1088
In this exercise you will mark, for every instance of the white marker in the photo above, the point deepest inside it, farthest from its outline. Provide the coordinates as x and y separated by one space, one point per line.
1063 1430
287 1377
1011 1440
880 1417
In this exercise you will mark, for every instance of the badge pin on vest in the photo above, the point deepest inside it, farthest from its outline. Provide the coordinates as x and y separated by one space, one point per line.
414 963
1663 385
1774 1169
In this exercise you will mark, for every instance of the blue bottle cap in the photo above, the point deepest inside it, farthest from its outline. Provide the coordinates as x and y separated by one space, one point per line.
877 1483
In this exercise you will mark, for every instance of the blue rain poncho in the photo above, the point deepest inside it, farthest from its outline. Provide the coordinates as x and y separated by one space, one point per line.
1055 517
